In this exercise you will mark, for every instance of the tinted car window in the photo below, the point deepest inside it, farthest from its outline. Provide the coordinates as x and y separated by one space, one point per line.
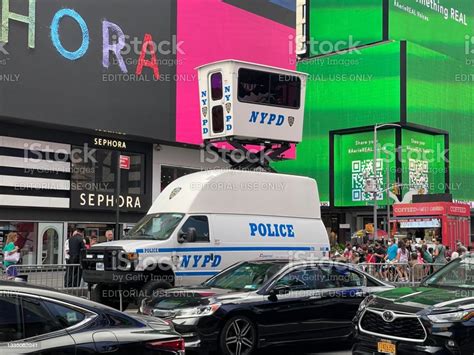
301 279
37 319
200 223
10 318
340 276
65 316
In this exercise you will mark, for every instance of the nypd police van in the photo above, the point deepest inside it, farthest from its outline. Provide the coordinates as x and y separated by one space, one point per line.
201 224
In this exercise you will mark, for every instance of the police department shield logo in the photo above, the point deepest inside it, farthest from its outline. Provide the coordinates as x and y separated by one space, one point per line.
227 107
204 111
291 120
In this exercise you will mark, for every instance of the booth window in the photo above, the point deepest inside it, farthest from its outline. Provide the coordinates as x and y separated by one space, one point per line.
217 119
201 224
216 86
264 88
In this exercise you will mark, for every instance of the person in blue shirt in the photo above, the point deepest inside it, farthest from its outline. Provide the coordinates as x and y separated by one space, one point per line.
392 251
390 257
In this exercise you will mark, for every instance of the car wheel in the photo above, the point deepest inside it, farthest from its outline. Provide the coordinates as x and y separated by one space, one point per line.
150 288
100 293
239 337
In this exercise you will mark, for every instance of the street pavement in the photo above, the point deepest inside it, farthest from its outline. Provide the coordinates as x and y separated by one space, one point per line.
308 349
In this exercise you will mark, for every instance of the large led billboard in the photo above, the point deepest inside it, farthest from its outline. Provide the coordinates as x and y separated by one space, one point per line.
344 91
336 25
440 94
409 158
129 66
354 167
443 25
90 64
424 159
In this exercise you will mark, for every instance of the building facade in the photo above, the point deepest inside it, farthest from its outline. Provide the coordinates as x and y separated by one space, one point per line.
374 62
88 94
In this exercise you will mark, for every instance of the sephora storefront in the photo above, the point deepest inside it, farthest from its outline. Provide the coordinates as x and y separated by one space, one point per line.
54 180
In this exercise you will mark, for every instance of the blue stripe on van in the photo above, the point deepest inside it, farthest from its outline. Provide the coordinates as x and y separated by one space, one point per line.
205 249
198 273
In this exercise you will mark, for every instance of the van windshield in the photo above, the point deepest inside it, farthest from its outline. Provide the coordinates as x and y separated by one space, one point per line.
157 226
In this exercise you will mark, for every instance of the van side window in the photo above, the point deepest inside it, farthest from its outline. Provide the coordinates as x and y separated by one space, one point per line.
201 224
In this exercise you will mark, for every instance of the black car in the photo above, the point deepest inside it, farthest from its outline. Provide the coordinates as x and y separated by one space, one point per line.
255 304
435 318
43 321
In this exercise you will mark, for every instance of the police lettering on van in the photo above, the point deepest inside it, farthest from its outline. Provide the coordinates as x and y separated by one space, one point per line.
272 230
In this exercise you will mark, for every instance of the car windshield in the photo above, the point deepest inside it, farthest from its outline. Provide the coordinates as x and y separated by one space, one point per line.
248 276
458 274
157 226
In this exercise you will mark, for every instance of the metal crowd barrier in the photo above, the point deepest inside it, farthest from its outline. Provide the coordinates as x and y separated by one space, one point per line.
390 272
62 277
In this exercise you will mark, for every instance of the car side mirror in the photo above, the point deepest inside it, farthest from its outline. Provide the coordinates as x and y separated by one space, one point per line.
278 290
189 236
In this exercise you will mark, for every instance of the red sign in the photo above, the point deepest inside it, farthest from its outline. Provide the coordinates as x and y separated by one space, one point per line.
431 209
125 162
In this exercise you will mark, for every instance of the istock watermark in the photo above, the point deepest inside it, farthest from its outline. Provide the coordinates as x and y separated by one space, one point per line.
321 47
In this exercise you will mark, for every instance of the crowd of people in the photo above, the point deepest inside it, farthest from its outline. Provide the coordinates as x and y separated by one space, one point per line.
396 260
73 247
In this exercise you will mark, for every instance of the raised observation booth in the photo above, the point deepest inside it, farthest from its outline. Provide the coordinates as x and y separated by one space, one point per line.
251 103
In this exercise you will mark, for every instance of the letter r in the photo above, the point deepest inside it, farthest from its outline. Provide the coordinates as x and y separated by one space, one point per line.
107 47
29 20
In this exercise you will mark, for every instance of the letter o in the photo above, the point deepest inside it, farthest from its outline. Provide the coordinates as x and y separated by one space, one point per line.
55 34
262 229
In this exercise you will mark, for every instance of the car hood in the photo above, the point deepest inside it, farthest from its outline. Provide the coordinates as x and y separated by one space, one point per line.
188 297
415 299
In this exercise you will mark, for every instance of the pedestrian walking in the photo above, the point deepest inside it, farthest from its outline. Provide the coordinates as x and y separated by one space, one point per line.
11 255
402 260
439 253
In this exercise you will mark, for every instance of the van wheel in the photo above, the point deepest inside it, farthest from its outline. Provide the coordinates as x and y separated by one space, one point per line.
150 288
100 293
239 337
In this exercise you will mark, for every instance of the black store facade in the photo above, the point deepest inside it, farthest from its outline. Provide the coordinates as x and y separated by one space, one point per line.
53 180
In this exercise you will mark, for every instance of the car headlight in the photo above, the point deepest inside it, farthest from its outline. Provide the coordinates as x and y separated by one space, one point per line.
459 316
201 311
363 305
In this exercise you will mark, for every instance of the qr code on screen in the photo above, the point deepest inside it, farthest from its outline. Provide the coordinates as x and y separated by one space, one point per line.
362 172
418 174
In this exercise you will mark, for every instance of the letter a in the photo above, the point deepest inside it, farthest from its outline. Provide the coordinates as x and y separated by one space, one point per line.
149 45
29 20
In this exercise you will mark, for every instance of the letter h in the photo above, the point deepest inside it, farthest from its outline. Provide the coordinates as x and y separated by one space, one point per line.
28 19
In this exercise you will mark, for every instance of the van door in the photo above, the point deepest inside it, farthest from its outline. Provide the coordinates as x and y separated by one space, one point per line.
196 259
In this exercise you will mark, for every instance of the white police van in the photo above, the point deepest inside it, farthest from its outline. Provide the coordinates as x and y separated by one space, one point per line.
204 222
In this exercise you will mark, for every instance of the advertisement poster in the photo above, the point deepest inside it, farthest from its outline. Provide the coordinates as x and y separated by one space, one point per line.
354 168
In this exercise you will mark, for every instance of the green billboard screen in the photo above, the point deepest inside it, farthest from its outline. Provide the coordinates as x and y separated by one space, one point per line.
353 167
443 25
440 94
423 162
340 24
344 91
